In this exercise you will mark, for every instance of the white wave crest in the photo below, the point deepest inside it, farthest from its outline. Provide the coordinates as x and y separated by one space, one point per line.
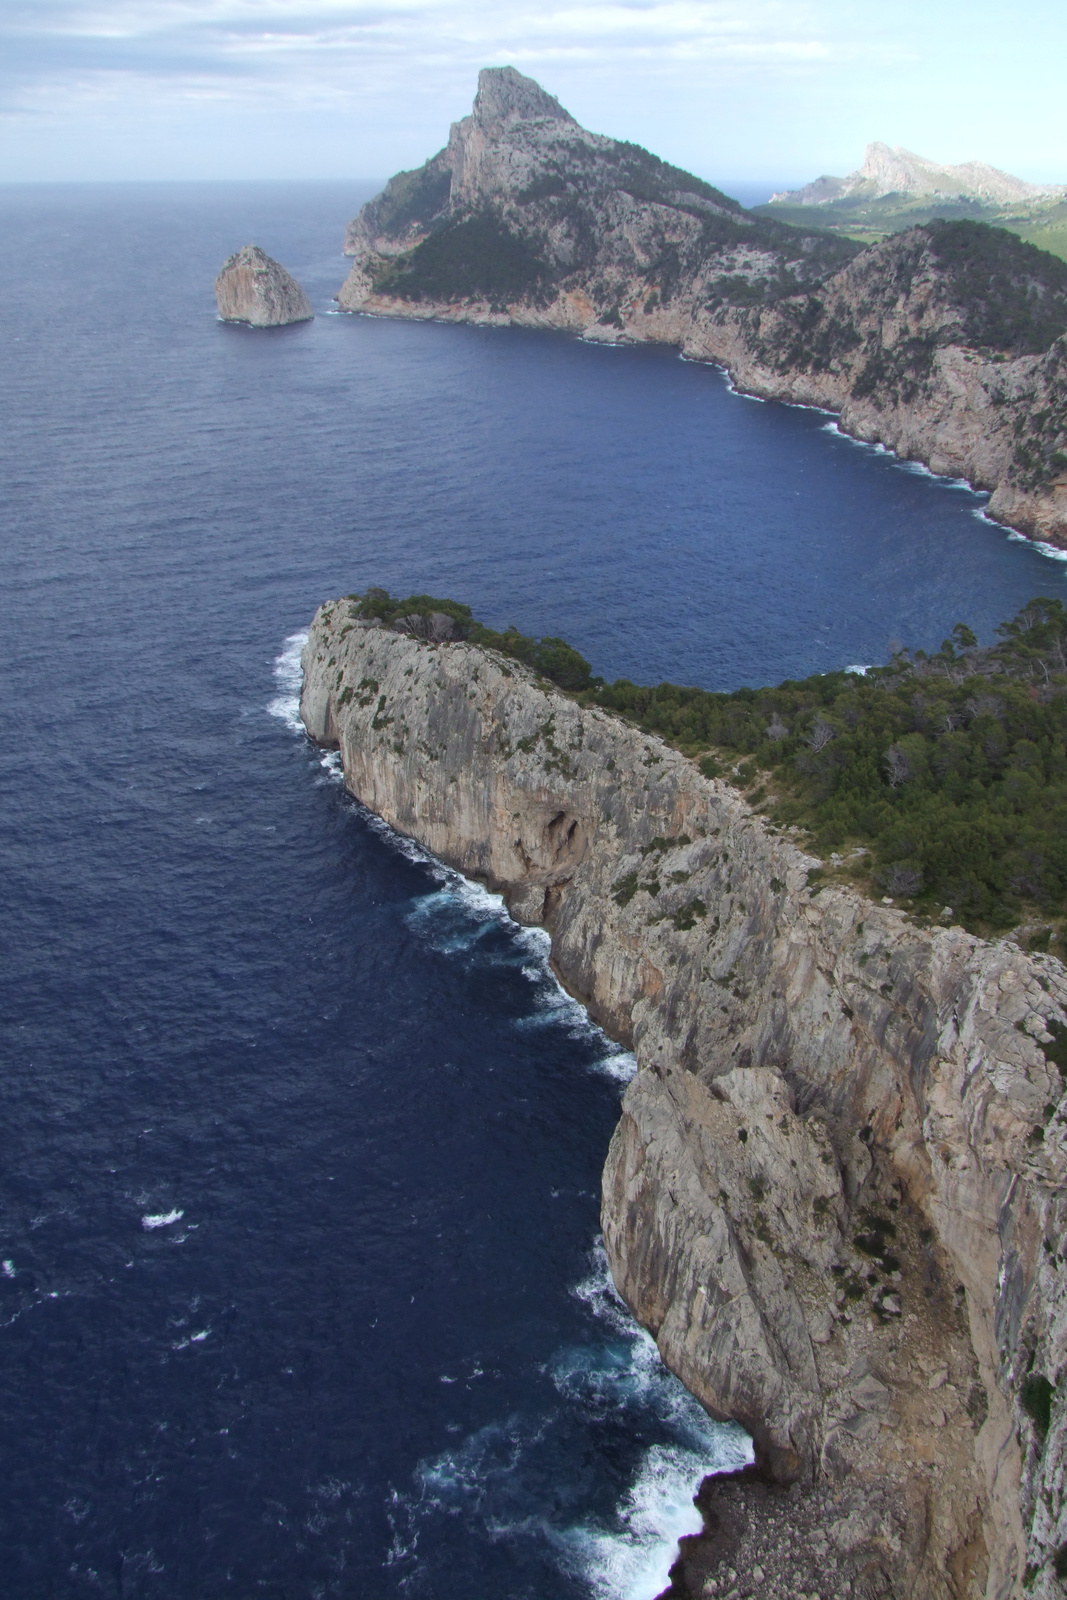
632 1560
161 1219
288 675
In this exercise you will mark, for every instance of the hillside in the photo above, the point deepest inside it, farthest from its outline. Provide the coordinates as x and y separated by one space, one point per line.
895 189
944 342
523 204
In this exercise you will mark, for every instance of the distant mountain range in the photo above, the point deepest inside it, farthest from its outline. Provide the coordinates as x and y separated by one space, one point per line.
887 171
896 189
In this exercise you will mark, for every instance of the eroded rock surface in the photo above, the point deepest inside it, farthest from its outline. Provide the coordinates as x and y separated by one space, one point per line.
834 1195
945 346
254 288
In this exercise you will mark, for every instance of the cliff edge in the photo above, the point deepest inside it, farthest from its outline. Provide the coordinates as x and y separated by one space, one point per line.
255 289
835 1194
945 342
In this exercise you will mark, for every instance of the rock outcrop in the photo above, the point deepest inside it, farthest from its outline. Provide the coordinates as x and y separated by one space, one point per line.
943 342
255 289
836 1192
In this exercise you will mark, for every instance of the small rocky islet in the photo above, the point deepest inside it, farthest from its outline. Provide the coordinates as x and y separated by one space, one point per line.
254 289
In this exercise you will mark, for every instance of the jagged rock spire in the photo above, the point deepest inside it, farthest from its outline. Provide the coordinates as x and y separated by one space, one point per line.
504 95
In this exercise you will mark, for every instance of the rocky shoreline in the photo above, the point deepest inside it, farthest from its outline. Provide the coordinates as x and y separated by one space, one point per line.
835 1192
946 346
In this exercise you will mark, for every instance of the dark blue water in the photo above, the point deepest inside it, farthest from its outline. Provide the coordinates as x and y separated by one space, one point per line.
300 1142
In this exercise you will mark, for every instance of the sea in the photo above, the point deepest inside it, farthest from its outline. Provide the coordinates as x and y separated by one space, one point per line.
301 1289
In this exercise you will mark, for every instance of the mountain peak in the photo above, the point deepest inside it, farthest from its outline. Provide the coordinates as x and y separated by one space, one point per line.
504 95
892 170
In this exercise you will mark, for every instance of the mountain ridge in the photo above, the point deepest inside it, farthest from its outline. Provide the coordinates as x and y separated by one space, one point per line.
890 170
947 346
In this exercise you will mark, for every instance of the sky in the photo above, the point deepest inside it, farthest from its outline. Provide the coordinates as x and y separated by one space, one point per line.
748 90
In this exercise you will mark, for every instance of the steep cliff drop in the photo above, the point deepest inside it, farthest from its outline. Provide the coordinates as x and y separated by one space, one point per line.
835 1194
945 342
253 288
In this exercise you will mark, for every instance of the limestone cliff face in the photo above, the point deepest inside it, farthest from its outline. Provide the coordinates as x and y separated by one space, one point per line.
527 218
253 288
835 1192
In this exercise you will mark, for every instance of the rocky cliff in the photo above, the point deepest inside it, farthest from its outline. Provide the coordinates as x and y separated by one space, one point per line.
944 342
835 1194
252 287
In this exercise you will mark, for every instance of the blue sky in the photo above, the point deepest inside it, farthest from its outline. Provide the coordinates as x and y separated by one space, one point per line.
732 89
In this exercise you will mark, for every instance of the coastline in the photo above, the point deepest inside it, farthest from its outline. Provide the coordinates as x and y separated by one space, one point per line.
514 785
949 426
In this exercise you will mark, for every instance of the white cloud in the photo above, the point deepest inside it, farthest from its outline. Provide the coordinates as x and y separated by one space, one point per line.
785 89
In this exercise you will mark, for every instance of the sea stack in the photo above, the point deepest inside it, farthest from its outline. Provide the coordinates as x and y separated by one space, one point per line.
257 290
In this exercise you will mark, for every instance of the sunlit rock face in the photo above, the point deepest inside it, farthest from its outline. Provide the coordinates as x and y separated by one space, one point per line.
834 1195
253 288
945 345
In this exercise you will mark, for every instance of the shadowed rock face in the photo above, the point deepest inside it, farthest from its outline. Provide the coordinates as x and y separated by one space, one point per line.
835 1193
255 289
525 217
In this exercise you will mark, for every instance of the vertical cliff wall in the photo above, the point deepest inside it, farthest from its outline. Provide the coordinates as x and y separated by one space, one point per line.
834 1193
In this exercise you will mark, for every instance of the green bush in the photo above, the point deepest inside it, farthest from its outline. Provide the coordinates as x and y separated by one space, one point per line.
949 768
476 257
1037 1393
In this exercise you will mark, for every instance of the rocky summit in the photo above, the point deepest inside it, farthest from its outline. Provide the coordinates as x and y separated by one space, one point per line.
892 170
255 289
945 342
835 1195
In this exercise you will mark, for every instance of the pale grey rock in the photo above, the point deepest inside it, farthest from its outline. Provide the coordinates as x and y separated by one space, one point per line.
802 1061
890 170
253 288
632 258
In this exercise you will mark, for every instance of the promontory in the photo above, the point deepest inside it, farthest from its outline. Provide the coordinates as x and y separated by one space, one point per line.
944 342
836 1194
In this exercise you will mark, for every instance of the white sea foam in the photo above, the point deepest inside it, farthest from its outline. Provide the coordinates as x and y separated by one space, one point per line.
193 1338
861 672
626 1555
8 1268
161 1219
1052 551
632 1560
740 393
288 676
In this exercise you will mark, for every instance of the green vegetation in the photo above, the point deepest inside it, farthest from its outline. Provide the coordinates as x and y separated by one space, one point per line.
412 198
1013 296
476 257
870 221
949 769
1036 1396
550 657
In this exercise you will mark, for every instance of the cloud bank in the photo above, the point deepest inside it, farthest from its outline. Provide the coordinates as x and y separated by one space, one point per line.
763 89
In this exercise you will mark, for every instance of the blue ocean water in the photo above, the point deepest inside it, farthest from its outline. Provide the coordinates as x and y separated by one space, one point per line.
299 1285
